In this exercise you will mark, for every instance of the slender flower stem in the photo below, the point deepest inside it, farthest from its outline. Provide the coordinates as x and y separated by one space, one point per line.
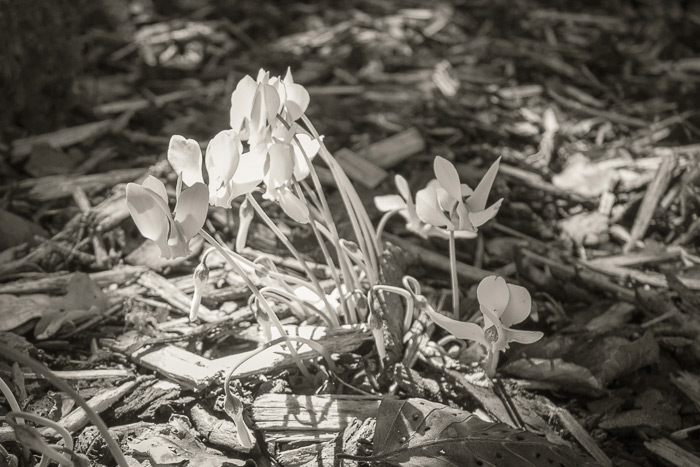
261 299
326 254
453 271
289 298
491 362
14 406
22 359
283 238
48 453
347 191
408 296
382 223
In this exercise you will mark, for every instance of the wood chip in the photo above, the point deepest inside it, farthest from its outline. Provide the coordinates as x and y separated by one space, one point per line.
359 169
391 151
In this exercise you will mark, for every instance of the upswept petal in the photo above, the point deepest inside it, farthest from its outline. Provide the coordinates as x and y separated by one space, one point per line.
157 187
191 209
524 337
249 174
388 203
310 148
281 165
297 97
185 157
223 154
493 294
428 210
293 206
402 186
519 305
447 175
477 201
479 218
146 209
459 329
242 102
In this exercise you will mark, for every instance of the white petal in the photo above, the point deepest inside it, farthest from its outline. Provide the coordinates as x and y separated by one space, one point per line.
493 294
389 203
459 329
242 102
271 102
447 175
428 210
223 154
281 160
293 206
156 186
479 218
191 209
185 157
519 305
249 174
402 186
477 201
150 215
311 147
524 337
297 98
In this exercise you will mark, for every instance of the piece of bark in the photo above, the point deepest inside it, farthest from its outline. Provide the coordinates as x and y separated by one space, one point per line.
392 150
217 431
689 384
652 197
672 453
161 287
359 169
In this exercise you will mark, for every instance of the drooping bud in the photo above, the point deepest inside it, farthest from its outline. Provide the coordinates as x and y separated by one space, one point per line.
200 278
263 321
245 217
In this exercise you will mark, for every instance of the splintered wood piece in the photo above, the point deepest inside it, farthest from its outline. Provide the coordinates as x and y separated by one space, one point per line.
291 413
672 453
161 287
359 169
59 139
652 197
196 372
689 384
85 375
391 151
57 284
101 402
55 187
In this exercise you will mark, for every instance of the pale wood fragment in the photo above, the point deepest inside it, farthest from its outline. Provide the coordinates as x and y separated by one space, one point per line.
57 283
324 413
359 169
85 375
161 287
655 191
689 384
392 150
671 452
59 139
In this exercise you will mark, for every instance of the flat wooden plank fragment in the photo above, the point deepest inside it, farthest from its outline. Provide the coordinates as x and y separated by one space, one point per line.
360 169
324 413
391 151
672 453
61 138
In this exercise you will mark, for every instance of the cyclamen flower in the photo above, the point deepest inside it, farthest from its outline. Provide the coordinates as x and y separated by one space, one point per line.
448 204
148 206
502 305
404 205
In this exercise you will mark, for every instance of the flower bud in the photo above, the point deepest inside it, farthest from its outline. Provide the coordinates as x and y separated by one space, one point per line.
200 278
245 217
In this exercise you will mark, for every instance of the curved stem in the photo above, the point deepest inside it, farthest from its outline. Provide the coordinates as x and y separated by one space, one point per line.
283 238
63 386
382 223
14 406
453 272
408 296
48 452
266 306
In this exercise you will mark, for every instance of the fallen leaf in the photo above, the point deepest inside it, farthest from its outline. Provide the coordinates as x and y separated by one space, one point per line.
420 433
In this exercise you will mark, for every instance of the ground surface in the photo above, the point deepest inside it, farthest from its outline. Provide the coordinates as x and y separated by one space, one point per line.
594 111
